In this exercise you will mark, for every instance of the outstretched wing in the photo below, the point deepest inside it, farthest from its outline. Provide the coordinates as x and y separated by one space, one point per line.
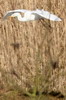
9 13
45 14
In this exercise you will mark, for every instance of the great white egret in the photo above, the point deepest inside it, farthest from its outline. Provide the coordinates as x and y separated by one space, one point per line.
31 15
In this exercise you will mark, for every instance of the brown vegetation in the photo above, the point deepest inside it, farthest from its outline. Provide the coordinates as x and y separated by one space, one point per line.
33 54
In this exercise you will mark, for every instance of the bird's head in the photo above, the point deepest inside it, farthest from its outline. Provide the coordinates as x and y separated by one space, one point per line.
15 15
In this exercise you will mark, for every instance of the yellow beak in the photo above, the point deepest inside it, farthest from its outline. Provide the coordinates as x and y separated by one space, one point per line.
11 16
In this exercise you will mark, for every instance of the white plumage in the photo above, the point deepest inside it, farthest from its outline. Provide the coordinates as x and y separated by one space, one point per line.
31 15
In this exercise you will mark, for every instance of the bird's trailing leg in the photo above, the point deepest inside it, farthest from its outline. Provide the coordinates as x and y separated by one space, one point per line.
46 24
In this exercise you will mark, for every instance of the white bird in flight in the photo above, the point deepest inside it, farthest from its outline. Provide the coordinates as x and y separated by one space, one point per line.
31 15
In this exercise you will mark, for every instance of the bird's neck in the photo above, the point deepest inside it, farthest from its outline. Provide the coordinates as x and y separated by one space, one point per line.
20 18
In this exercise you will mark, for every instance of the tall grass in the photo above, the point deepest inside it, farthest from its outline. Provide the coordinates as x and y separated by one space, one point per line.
32 54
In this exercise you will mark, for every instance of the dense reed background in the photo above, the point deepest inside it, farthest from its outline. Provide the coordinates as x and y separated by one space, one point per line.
33 54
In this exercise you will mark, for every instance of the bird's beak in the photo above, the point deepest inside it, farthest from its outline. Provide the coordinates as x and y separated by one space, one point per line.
12 16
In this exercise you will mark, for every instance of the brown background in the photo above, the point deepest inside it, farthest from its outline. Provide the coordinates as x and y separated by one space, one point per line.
35 48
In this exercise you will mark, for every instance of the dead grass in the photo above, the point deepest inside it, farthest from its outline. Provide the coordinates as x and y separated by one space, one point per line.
41 45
